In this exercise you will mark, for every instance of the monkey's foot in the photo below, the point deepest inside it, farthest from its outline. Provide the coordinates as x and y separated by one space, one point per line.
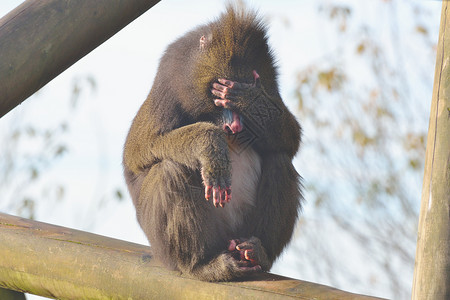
248 253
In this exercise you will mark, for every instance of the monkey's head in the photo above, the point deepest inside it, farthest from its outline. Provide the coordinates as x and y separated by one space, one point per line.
232 47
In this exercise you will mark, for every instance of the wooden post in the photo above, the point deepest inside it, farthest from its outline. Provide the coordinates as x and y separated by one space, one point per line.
432 267
41 38
11 295
63 263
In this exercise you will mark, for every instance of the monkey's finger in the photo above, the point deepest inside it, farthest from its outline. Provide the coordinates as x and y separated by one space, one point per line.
216 196
218 93
221 201
222 198
253 269
233 85
244 246
242 255
208 191
244 264
257 79
231 100
220 87
226 103
222 103
227 83
250 256
228 194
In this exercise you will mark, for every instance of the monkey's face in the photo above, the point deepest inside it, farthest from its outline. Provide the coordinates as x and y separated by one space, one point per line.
239 136
231 48
232 122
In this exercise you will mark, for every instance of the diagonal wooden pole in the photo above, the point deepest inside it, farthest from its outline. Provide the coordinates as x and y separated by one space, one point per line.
432 267
64 263
41 38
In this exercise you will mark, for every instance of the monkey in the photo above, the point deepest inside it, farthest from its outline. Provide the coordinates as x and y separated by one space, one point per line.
208 157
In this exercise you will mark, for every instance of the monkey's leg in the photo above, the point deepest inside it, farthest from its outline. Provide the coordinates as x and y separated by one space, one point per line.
173 214
183 229
277 204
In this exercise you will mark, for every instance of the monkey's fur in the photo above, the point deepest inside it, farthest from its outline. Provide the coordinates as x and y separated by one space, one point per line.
214 122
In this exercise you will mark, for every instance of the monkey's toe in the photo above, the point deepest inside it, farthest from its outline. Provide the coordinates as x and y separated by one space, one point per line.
251 269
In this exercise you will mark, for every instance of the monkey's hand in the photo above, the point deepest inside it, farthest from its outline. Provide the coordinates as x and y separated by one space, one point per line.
220 193
216 175
263 112
238 96
249 253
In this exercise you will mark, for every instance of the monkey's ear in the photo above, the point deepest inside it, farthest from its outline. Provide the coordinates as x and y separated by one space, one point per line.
204 41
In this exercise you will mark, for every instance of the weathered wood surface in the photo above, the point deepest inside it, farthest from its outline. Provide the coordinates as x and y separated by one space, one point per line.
63 263
432 268
11 295
41 38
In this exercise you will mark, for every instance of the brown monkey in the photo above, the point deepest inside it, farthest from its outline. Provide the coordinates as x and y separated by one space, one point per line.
214 126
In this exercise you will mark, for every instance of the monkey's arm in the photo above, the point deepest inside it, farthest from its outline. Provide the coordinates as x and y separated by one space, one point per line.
200 145
265 114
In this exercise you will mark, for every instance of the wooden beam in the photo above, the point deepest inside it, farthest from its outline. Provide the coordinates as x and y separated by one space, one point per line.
11 295
63 263
41 38
432 267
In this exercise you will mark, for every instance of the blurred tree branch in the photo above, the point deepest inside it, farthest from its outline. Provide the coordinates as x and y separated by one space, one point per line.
366 133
